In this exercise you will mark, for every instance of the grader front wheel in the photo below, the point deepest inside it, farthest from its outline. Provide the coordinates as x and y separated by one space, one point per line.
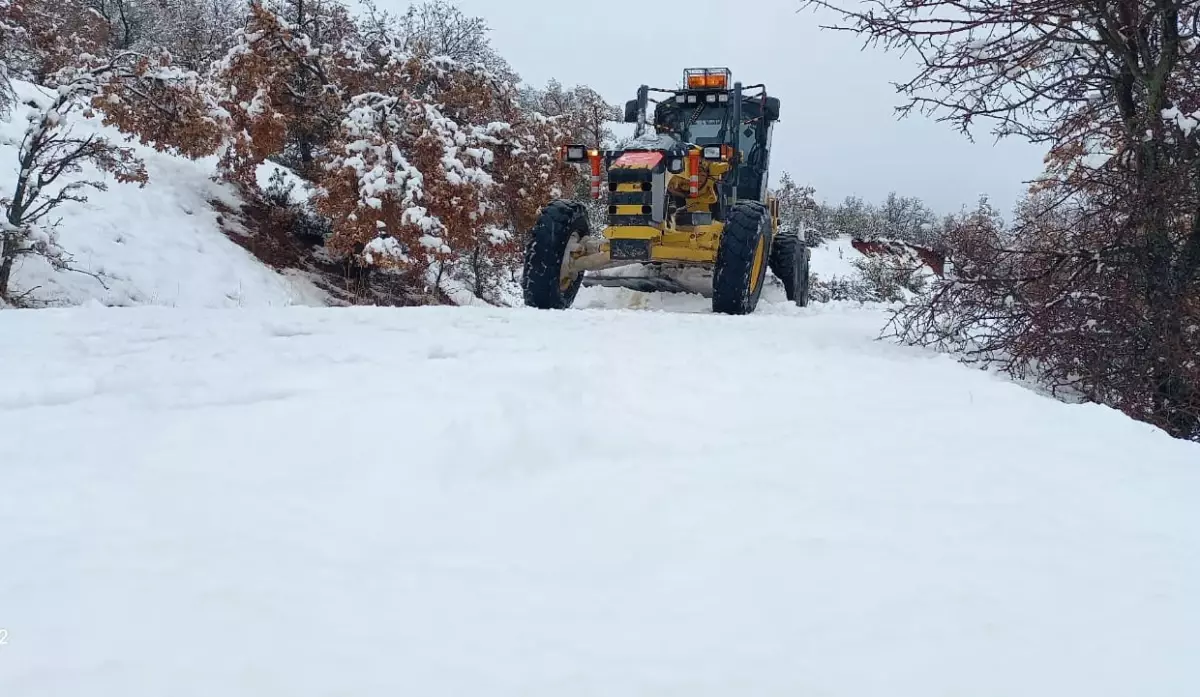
546 283
742 260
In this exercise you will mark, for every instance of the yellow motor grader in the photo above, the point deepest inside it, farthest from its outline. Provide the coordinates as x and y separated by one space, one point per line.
687 201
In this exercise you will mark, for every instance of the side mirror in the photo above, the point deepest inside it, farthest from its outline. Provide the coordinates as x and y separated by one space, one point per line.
631 111
772 109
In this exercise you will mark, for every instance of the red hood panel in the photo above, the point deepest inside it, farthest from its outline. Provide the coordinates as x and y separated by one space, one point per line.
639 160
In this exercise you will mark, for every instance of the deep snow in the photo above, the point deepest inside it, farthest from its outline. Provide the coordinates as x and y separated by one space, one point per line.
595 502
158 245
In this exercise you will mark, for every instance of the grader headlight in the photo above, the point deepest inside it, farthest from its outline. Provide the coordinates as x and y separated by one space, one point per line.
717 153
575 153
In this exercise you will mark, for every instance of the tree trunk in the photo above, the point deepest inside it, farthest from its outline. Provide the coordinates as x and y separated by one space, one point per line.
7 256
477 269
437 284
306 155
1177 407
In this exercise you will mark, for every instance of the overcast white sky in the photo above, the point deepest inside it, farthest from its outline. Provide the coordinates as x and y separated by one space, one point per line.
838 131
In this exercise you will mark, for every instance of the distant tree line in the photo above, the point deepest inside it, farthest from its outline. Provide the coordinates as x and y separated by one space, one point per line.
903 218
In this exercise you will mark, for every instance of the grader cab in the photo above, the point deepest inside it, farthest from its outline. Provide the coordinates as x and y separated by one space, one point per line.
690 194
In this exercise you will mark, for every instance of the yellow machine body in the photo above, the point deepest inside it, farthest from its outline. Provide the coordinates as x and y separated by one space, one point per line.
663 240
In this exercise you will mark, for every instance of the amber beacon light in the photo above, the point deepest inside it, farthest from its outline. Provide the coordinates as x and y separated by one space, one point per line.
707 78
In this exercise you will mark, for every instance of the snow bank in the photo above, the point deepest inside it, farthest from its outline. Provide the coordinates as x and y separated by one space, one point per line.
508 502
160 245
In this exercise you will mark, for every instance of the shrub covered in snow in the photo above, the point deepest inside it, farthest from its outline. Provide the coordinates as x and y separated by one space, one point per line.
295 209
422 154
421 161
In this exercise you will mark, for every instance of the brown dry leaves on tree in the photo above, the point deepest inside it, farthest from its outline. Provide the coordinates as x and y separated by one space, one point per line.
52 35
529 169
445 171
405 169
276 86
163 106
420 161
527 174
1093 290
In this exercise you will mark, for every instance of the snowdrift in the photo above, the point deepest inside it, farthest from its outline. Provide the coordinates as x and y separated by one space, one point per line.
160 245
506 502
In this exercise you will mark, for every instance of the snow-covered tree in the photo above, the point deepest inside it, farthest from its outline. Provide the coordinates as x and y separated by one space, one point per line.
797 210
439 29
529 174
197 32
445 180
1096 288
582 112
579 115
128 23
907 218
405 183
410 127
281 84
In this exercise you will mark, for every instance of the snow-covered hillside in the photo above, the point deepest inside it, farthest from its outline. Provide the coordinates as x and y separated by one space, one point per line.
160 245
506 502
834 259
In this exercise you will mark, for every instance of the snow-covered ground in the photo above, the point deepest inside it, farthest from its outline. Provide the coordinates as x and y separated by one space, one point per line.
632 498
494 502
160 245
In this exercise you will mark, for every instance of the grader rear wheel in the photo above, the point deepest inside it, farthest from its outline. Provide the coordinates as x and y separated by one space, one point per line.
789 263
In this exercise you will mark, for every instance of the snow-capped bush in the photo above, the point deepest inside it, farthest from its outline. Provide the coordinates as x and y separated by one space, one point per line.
294 210
431 153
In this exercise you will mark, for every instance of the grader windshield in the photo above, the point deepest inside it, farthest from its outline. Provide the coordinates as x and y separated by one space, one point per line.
712 125
720 122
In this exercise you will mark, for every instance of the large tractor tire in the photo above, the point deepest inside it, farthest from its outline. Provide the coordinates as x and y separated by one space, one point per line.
742 257
790 264
547 247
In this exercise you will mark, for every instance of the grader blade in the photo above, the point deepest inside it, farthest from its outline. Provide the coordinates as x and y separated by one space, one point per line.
643 284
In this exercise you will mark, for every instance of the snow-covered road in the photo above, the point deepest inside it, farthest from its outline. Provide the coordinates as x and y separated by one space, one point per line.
437 502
